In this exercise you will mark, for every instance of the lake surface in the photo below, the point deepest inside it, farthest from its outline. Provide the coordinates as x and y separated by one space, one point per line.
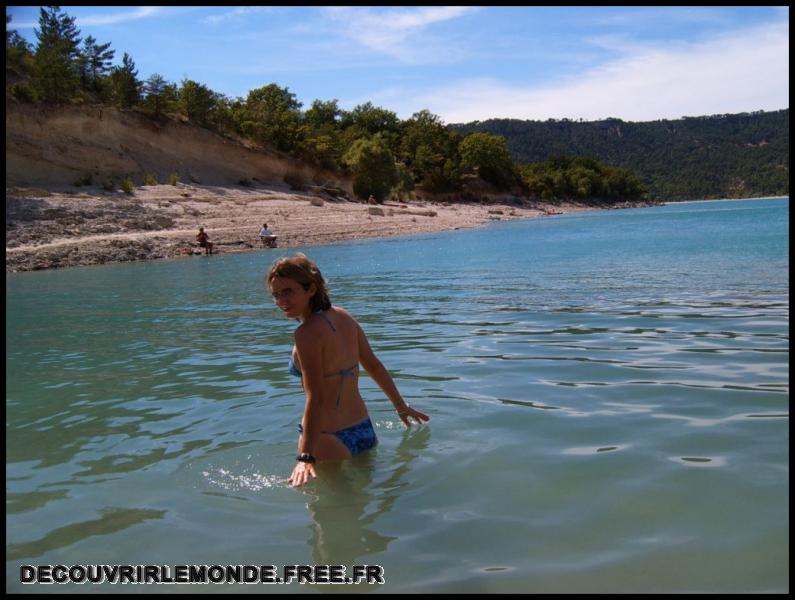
609 395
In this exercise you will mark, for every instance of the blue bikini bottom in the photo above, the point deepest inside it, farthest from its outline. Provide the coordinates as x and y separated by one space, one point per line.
357 438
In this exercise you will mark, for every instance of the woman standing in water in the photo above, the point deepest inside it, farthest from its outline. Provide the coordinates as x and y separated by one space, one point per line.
329 345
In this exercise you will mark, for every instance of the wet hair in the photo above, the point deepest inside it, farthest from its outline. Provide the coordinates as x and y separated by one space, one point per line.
304 272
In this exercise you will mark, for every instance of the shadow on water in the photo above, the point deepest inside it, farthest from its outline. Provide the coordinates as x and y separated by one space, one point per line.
111 521
345 512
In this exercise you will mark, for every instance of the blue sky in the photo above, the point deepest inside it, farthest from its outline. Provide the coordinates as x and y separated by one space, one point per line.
464 63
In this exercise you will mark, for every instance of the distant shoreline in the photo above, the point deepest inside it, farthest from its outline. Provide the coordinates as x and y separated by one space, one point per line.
58 229
727 200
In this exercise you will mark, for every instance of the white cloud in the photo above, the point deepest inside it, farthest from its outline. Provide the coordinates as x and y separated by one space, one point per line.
238 12
739 71
96 20
133 15
396 33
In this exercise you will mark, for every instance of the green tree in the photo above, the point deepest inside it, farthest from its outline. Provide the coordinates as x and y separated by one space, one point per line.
373 166
323 114
196 101
538 180
404 182
372 119
19 53
622 183
271 116
322 138
584 182
451 176
322 147
95 63
19 65
430 151
579 178
156 89
222 115
125 84
56 68
488 156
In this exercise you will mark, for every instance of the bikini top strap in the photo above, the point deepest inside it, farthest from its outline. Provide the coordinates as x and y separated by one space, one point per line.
350 372
323 314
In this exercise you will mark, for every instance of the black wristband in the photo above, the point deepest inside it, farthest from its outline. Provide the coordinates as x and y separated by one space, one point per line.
305 457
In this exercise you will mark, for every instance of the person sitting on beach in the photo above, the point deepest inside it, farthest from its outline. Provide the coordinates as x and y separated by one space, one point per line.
372 200
329 345
204 241
267 237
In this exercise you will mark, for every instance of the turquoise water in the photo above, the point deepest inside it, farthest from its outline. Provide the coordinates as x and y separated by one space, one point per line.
609 395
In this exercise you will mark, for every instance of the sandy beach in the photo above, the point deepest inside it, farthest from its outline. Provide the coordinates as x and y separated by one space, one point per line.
51 229
225 186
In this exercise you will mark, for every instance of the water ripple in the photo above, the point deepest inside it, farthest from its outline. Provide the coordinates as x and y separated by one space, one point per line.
622 367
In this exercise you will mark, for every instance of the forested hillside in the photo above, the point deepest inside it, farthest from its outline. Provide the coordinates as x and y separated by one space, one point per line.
383 156
742 155
64 75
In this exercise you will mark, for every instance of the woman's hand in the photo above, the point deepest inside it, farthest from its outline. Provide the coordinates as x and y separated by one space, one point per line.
301 474
405 412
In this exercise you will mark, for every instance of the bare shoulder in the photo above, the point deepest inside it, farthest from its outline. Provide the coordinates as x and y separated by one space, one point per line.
308 330
342 311
345 315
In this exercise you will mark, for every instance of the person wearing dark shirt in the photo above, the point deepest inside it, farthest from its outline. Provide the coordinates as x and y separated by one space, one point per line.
204 241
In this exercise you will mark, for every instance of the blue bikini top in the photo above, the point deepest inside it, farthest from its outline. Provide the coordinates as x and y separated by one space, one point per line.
342 374
293 369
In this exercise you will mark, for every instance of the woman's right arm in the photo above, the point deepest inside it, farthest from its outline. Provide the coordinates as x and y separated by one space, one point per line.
381 376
